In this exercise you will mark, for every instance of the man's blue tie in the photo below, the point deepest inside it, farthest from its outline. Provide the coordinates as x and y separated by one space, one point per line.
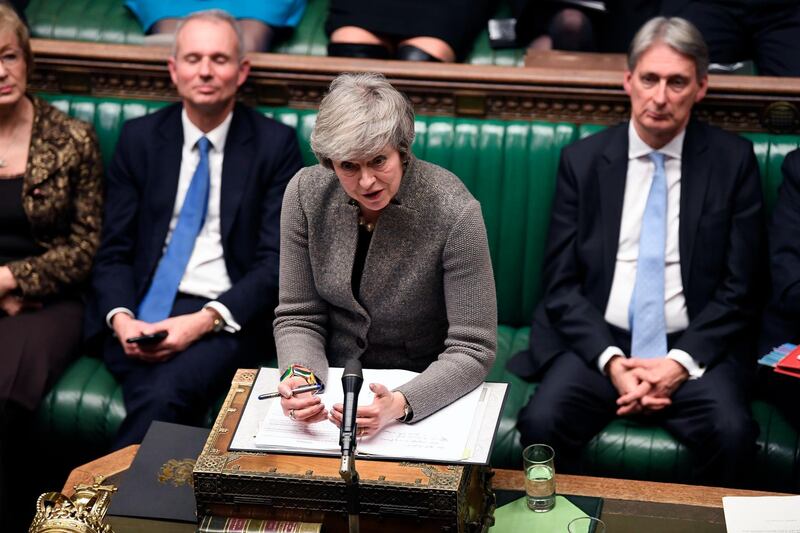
648 327
157 302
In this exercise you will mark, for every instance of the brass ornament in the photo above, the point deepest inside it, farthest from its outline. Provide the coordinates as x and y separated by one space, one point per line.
82 513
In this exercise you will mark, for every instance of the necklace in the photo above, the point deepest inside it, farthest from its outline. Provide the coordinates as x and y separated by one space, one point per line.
362 222
3 162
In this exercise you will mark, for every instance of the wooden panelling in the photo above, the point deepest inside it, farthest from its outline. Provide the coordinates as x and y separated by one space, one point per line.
558 89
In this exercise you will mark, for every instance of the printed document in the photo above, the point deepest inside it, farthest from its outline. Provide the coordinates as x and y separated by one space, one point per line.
762 514
456 433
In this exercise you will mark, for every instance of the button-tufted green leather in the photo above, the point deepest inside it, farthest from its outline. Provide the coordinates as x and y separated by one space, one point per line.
109 21
510 167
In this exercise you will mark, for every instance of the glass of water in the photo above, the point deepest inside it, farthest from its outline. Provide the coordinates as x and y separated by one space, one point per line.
540 477
586 524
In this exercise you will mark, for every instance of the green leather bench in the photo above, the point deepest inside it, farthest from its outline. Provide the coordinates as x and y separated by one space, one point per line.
510 167
109 21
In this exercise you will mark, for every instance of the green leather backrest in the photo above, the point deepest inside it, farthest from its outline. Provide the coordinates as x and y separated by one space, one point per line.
509 166
770 150
109 21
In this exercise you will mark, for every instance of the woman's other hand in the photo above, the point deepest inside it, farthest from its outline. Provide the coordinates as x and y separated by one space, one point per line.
306 407
386 407
13 305
7 281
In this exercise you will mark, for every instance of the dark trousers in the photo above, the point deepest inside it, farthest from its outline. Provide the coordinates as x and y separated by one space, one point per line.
767 32
710 415
782 391
183 388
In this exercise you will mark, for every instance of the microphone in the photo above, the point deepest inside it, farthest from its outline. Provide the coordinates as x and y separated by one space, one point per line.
351 385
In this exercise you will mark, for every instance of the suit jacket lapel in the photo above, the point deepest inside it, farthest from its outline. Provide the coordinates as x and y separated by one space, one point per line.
695 176
393 239
343 238
235 168
165 180
611 175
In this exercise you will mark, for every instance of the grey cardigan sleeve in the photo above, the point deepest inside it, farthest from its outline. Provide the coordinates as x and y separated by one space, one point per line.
301 317
471 342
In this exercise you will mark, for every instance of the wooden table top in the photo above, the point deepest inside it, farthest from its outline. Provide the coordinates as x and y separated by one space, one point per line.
608 488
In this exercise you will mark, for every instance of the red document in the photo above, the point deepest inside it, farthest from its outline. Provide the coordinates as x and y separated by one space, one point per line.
790 365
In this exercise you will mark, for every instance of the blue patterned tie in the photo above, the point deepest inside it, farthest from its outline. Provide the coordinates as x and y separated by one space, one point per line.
648 327
157 302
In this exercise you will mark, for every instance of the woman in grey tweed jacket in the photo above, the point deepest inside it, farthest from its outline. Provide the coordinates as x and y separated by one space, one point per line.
383 258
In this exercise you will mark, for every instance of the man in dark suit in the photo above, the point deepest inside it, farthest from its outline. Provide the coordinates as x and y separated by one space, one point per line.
652 253
782 320
191 235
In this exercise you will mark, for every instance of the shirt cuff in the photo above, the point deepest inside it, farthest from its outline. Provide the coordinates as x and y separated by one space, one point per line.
116 310
231 326
606 356
695 369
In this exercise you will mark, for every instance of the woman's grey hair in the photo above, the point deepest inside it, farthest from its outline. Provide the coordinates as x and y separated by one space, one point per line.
677 33
216 15
361 115
10 21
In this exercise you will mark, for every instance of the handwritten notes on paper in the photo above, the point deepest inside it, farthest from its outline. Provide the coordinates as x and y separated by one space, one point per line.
443 436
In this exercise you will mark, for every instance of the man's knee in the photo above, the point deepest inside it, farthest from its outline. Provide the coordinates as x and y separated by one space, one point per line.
538 422
164 392
733 432
154 396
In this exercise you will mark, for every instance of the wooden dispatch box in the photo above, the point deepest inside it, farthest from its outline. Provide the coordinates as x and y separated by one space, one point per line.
394 496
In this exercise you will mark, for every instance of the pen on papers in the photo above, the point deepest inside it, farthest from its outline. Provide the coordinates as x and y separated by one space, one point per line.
299 390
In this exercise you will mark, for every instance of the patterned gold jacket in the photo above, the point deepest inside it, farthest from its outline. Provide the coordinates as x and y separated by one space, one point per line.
62 195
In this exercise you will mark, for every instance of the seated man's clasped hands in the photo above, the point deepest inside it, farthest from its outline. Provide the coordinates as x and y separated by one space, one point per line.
384 258
644 385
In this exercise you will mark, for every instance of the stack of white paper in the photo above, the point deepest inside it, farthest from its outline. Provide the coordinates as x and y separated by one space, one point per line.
762 514
460 432
443 436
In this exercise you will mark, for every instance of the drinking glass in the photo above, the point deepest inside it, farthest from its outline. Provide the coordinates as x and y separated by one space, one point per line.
586 524
540 477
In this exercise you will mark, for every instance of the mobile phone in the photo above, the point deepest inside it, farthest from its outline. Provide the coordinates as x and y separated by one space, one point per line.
145 340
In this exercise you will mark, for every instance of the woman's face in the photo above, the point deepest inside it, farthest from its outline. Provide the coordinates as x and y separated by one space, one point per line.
372 182
13 70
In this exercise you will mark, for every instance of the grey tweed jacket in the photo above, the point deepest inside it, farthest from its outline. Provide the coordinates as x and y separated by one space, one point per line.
427 291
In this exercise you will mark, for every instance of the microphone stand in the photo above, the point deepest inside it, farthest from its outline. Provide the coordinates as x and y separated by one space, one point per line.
347 470
351 385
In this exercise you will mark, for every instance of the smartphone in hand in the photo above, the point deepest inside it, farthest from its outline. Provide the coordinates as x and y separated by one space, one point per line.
147 340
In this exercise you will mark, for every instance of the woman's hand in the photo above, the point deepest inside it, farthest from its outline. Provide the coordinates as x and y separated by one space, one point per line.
13 305
305 407
7 280
387 407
